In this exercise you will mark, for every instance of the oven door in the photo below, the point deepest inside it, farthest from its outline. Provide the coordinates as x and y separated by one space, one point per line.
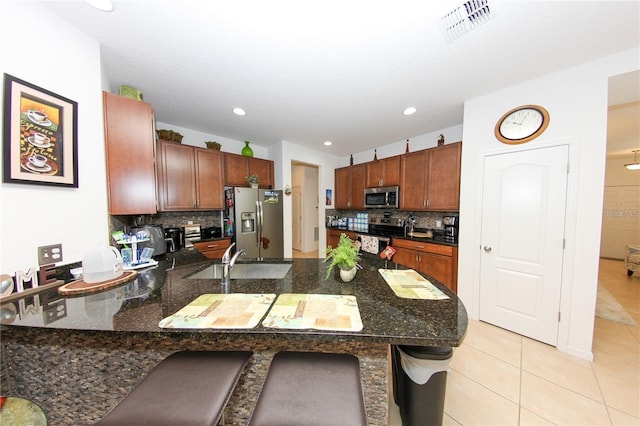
372 244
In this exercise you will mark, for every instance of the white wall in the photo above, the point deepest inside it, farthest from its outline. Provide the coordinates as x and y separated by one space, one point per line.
31 216
416 143
576 99
283 155
196 138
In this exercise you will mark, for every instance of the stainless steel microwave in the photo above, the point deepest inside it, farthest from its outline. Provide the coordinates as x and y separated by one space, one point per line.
382 198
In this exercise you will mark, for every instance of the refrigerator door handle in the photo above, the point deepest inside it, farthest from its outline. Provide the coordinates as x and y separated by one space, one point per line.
260 223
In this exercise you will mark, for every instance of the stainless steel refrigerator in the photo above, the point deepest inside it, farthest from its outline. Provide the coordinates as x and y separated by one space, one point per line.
256 221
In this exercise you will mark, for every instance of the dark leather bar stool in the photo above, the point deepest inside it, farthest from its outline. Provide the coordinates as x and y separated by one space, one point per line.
310 388
186 388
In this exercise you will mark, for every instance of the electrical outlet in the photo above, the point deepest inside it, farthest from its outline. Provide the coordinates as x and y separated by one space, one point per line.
49 254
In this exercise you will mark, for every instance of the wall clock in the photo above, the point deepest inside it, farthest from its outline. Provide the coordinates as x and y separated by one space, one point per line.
522 124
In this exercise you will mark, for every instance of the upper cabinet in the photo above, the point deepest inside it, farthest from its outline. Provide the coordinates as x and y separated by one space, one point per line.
349 187
385 172
189 178
430 179
130 154
238 167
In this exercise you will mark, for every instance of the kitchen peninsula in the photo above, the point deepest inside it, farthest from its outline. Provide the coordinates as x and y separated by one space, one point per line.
78 356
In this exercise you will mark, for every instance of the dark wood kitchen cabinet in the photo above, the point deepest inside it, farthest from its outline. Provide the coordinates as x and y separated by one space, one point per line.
384 172
333 236
436 260
349 187
430 179
238 167
129 132
189 178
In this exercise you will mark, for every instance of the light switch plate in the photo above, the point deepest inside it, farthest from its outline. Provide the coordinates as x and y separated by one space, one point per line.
49 254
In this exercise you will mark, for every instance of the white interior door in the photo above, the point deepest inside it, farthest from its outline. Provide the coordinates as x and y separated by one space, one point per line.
296 218
523 213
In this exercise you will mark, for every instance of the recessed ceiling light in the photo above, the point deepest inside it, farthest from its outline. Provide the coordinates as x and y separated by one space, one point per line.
239 111
104 5
409 111
328 143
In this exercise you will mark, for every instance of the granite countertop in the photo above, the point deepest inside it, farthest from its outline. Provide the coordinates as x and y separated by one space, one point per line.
158 292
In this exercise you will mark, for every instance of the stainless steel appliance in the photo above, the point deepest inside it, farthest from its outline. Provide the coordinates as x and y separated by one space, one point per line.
190 234
450 229
211 232
173 237
156 238
382 198
256 220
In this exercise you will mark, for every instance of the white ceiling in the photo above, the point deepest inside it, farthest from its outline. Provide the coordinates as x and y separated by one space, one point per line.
311 71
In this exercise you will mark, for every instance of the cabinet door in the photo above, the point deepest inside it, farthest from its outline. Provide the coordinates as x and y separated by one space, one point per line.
342 188
264 170
406 257
357 187
413 180
391 171
130 154
444 177
438 266
209 186
374 174
236 169
176 177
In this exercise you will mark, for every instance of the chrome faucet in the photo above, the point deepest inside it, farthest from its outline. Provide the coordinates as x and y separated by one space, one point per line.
228 262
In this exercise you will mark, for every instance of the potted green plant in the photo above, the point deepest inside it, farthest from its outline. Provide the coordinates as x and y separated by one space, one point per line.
345 256
253 180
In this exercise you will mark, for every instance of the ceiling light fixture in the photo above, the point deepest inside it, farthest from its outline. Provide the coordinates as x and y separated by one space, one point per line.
328 143
635 165
239 111
409 111
103 5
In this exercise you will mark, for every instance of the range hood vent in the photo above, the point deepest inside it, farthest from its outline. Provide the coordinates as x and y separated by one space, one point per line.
466 17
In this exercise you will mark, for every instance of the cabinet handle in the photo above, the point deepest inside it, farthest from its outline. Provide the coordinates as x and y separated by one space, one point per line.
487 249
212 246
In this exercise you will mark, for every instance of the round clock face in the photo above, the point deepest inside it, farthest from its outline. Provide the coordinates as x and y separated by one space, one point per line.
522 124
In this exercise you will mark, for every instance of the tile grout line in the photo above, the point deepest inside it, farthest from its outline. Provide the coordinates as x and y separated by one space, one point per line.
520 386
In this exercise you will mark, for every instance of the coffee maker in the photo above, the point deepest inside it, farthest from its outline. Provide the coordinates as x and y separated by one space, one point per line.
450 229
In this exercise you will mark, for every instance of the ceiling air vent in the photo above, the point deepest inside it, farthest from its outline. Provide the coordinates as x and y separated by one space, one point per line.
466 17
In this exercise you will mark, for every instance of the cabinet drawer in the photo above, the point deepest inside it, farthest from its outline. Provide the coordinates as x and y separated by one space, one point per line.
213 249
425 247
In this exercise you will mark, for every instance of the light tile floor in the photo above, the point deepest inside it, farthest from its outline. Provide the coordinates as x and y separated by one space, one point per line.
501 378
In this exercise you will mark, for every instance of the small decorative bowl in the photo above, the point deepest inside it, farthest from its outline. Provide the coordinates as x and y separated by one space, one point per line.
213 145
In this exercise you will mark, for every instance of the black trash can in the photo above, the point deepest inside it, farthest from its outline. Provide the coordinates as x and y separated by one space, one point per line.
419 383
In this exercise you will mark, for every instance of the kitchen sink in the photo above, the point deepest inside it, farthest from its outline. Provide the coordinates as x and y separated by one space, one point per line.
245 271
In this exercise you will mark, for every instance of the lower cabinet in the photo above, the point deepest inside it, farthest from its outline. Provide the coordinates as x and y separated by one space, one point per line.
213 249
438 261
333 236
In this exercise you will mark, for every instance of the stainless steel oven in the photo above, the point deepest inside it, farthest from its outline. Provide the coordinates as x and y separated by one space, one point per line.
372 244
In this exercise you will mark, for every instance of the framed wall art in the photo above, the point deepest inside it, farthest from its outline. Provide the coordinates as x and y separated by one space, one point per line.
40 135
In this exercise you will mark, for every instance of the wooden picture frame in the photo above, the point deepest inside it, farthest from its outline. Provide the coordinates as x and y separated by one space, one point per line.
40 136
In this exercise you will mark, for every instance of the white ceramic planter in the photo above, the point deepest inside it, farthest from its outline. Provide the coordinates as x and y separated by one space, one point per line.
348 275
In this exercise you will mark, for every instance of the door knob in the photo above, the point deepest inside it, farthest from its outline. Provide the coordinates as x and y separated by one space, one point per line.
487 249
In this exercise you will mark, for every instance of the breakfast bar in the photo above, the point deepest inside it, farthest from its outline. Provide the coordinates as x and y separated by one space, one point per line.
77 357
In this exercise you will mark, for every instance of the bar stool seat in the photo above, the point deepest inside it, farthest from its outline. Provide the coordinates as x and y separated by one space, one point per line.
186 388
309 388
